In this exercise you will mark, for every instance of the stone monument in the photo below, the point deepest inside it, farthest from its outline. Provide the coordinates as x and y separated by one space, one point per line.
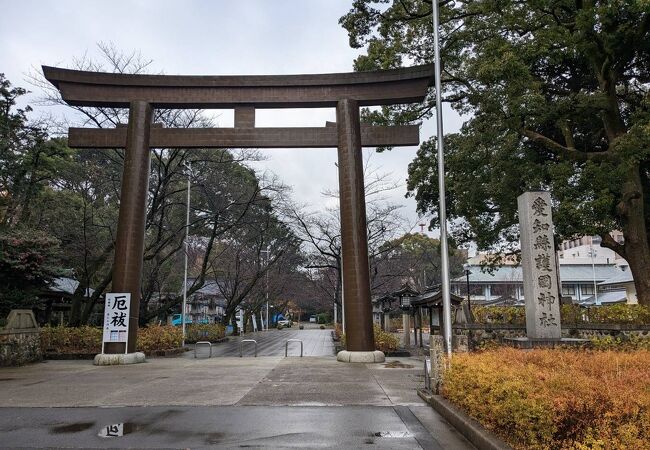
539 266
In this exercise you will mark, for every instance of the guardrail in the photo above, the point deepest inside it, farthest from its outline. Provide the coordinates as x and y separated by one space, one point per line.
241 346
286 346
203 343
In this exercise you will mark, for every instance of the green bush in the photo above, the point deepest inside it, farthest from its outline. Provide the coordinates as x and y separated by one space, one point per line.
620 343
571 314
204 332
511 315
324 318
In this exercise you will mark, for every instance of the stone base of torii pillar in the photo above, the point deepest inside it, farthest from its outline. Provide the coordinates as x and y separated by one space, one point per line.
361 357
118 359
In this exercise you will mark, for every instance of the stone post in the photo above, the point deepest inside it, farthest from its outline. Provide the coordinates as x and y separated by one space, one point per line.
387 322
406 324
437 355
539 266
129 244
354 239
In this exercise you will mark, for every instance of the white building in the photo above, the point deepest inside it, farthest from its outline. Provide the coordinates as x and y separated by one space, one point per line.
587 250
579 281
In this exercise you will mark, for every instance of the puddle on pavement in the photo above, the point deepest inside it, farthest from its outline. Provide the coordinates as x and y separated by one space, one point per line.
397 365
393 434
71 427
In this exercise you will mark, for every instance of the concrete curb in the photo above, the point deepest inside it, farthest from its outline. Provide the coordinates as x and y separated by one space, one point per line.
468 427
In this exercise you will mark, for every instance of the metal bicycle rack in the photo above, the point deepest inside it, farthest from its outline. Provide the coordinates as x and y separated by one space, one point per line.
286 346
203 343
241 346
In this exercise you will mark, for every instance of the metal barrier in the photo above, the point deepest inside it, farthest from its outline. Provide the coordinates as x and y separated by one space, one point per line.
286 346
241 346
427 373
202 343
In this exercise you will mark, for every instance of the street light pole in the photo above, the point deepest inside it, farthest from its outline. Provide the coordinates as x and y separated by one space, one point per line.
442 213
266 277
187 230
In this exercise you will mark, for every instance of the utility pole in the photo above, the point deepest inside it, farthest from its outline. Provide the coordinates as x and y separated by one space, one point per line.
442 211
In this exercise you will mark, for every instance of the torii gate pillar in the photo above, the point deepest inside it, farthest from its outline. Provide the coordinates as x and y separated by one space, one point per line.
360 342
129 245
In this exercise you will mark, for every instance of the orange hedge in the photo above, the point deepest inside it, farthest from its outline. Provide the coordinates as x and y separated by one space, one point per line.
385 342
556 399
68 340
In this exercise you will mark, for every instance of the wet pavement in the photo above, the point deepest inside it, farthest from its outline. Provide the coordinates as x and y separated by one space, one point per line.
316 342
224 402
219 427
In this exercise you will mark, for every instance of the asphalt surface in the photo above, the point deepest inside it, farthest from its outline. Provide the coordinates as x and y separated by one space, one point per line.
316 342
224 402
217 427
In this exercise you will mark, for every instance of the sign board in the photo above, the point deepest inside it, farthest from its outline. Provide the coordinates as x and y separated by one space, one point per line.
116 318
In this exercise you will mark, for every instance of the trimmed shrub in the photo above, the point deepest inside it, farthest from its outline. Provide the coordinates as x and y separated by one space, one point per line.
556 399
571 314
385 342
512 315
85 339
71 340
159 337
620 343
204 332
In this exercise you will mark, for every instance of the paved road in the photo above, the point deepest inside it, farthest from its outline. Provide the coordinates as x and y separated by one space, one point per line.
225 402
316 342
398 427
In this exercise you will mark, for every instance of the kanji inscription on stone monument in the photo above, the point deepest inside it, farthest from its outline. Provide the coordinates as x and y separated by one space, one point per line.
539 266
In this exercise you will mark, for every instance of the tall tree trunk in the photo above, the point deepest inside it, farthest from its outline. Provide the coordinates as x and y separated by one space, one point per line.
635 231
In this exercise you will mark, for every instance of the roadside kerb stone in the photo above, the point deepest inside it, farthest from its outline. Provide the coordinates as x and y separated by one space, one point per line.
468 427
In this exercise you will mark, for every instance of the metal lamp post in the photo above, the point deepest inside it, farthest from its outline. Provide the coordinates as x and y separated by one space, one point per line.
266 282
187 247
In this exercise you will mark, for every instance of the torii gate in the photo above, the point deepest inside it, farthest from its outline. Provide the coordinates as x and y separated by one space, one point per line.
344 91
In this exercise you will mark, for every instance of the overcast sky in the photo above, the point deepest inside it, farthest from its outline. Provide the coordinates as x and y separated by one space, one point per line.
211 37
